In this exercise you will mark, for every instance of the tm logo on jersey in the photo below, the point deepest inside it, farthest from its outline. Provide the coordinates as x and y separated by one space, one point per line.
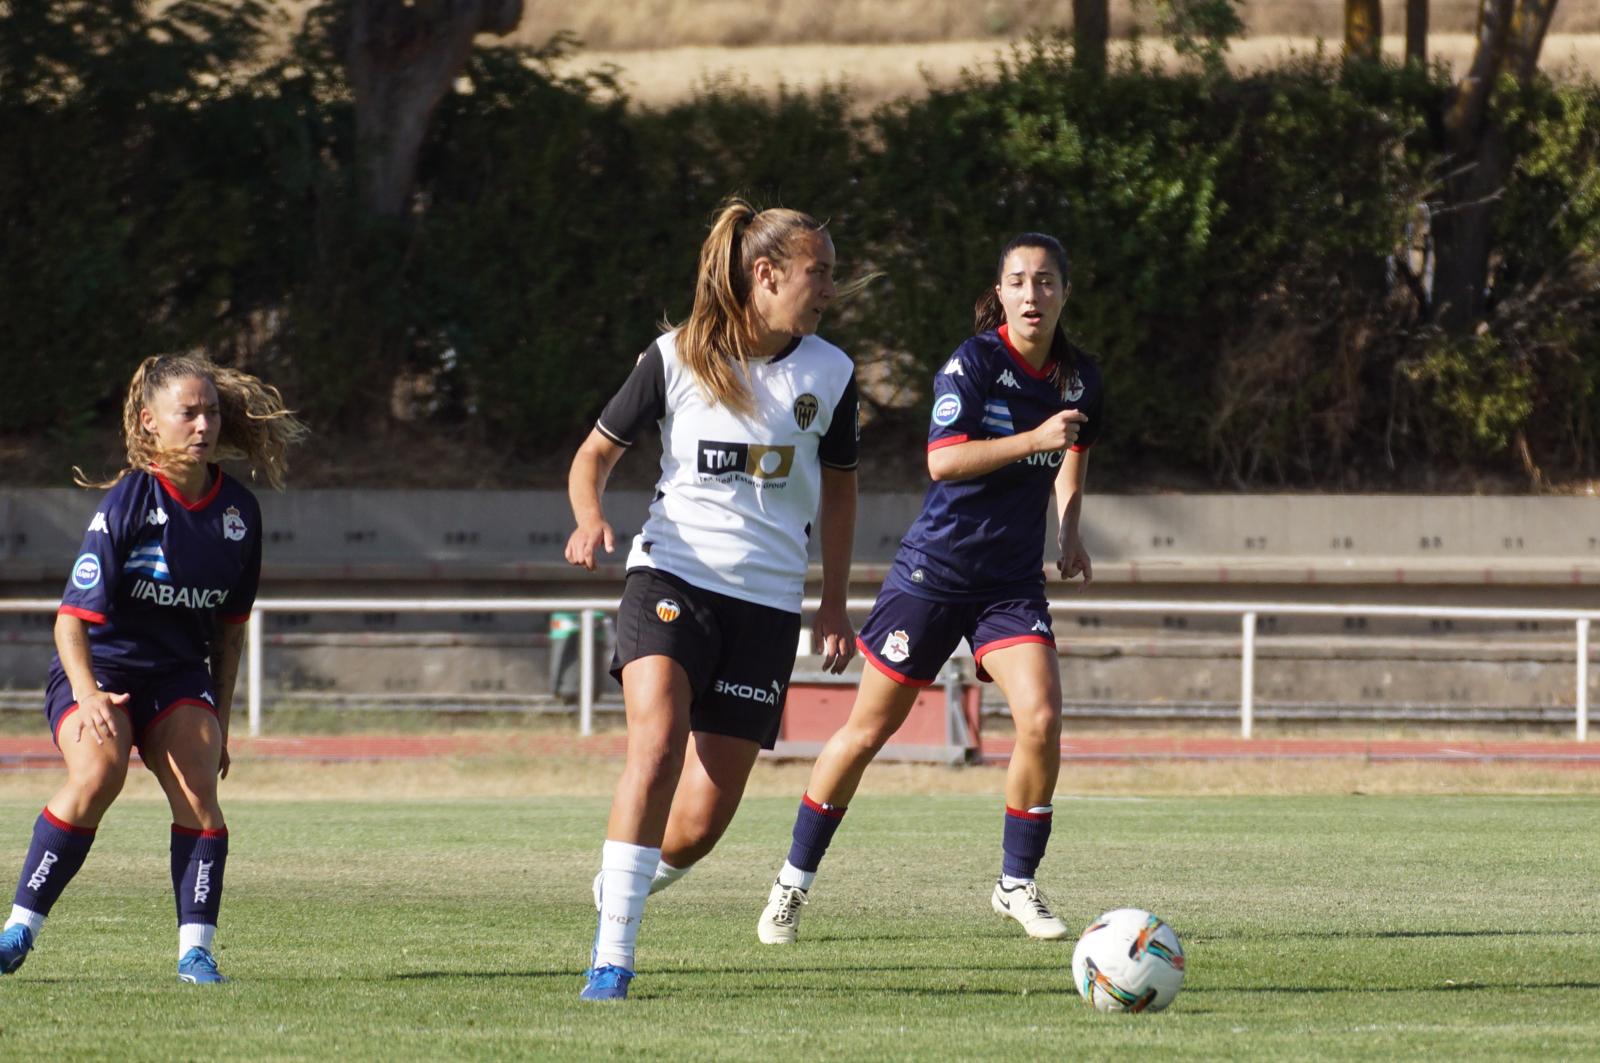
748 462
1009 381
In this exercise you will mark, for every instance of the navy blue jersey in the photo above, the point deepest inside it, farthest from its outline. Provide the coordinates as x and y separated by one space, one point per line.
984 536
157 573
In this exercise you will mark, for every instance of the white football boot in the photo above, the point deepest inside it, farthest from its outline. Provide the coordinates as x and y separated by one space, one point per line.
780 919
1027 906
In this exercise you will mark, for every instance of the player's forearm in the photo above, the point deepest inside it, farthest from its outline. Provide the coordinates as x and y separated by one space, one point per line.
1069 488
72 645
586 480
225 668
838 520
976 457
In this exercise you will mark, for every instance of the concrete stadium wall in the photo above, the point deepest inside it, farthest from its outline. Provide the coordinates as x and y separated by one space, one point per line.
518 536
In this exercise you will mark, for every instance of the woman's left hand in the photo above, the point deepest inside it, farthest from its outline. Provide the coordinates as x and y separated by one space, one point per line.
833 637
227 761
1074 559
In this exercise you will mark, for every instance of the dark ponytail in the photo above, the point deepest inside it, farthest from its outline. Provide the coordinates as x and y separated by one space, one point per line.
987 313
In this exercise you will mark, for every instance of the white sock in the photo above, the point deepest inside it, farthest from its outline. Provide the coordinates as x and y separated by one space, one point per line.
195 935
792 876
1007 882
626 869
666 875
32 920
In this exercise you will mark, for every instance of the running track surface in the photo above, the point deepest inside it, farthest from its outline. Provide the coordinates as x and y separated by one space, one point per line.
36 753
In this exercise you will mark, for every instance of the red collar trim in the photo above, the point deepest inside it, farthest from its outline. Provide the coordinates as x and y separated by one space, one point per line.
177 496
1042 373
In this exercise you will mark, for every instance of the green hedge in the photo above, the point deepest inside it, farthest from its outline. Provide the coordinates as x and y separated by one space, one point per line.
1233 242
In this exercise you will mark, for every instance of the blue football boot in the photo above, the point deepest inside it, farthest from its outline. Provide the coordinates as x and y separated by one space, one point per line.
15 944
609 982
199 967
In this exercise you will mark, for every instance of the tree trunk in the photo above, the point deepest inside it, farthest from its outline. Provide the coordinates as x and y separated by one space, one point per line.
1363 29
402 58
1417 31
1509 36
1091 27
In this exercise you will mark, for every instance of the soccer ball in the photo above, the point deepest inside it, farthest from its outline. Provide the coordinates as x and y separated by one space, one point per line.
1128 960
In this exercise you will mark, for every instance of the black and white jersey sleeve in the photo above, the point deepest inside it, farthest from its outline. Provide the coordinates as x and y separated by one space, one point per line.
840 447
639 403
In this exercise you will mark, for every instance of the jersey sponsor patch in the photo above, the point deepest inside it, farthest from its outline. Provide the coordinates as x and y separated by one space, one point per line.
150 560
805 410
753 461
897 647
233 527
946 410
98 524
997 417
668 610
86 572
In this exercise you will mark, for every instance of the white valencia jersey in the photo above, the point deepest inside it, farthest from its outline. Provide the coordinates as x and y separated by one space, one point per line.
737 495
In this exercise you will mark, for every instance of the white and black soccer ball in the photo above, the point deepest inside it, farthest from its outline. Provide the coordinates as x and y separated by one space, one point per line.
1128 960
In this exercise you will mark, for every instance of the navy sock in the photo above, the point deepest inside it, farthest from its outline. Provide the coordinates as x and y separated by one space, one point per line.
813 830
55 855
198 857
1026 835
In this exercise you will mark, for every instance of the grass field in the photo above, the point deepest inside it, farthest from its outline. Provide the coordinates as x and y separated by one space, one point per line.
1334 927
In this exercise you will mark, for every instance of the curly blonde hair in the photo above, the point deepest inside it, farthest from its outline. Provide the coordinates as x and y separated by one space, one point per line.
256 426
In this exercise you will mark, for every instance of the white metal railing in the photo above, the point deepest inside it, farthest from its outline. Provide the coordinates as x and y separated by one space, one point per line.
587 608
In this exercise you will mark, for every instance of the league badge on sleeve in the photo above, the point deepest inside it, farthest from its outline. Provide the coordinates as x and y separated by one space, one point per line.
946 410
86 572
232 524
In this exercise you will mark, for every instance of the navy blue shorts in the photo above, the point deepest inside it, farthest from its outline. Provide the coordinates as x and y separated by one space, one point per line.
150 698
909 638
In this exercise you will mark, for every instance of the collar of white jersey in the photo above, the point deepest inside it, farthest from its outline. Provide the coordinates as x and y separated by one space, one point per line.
792 346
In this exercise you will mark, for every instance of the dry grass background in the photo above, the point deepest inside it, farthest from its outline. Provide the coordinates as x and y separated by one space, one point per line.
665 50
628 25
877 73
517 776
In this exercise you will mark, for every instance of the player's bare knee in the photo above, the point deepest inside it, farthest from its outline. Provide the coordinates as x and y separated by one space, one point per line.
99 781
1037 723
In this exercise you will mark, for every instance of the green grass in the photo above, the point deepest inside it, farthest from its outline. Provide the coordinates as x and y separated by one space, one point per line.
1326 928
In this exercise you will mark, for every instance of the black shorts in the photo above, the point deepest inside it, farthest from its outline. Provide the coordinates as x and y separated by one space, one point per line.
738 655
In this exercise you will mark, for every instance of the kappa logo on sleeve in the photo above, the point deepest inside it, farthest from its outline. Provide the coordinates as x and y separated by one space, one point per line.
953 368
98 524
